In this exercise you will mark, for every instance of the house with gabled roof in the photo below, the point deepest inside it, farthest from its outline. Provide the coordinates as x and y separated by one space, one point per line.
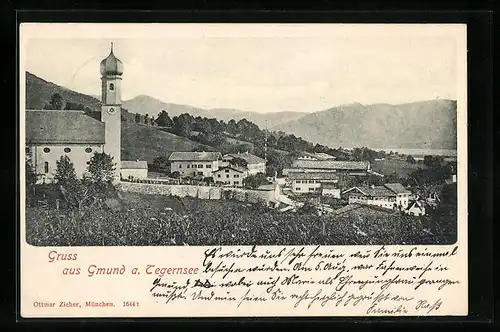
194 163
415 208
254 164
311 182
390 195
230 175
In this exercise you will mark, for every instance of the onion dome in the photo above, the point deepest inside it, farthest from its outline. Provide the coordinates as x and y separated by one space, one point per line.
111 65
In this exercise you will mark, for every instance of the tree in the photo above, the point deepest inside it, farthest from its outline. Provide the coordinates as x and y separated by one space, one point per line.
30 174
254 181
56 102
137 118
65 172
146 119
74 106
101 168
239 162
163 120
161 163
410 159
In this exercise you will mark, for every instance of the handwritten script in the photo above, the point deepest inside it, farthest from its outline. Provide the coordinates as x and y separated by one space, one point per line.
380 281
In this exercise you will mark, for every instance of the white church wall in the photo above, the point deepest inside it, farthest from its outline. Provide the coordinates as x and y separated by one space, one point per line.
78 154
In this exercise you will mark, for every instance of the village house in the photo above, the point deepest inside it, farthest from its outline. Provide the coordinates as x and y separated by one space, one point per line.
51 134
254 163
194 163
310 182
390 195
315 156
230 175
131 170
415 208
330 190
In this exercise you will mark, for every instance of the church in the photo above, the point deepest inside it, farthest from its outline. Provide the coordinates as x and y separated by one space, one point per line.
51 134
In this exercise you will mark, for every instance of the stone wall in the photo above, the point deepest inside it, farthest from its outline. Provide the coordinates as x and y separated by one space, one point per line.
201 192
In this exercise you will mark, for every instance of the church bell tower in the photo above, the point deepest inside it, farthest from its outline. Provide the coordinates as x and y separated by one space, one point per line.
111 71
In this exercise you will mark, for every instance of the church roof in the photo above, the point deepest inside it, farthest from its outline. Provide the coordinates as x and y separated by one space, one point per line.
111 65
62 127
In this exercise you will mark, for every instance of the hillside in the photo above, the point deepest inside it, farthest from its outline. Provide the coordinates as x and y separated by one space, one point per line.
148 105
426 124
39 91
145 143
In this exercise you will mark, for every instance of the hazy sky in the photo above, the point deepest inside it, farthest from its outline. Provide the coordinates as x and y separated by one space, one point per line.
301 69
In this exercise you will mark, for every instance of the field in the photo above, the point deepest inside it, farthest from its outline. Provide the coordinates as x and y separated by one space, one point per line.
152 220
390 166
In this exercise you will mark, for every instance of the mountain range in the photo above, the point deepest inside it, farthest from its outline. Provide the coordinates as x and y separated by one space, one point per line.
418 125
148 105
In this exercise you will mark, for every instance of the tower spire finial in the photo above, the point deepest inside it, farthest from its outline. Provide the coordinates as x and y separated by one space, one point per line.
111 47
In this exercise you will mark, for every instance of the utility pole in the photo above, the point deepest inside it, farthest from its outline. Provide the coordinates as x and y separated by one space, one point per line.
265 145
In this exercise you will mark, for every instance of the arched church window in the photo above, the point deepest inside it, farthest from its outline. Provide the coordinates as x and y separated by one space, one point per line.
88 150
46 167
67 150
46 150
111 86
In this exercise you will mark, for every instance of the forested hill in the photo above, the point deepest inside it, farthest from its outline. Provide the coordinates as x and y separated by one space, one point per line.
39 93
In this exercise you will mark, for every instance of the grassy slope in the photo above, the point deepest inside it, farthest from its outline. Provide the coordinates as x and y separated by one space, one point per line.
146 143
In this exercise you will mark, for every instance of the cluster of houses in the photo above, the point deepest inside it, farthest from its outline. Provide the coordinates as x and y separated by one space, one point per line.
230 169
318 174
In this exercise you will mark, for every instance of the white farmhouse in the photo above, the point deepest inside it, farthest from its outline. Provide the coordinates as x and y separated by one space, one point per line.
254 165
310 182
194 163
131 170
230 175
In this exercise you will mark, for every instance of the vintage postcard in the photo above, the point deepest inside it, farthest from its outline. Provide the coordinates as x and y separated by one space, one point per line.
241 170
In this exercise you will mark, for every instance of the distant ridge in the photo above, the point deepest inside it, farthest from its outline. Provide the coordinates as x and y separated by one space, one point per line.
148 105
427 124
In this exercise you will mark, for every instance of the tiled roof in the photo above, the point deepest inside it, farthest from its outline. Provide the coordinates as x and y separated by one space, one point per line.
233 167
397 188
194 156
324 156
312 176
375 191
248 157
134 164
62 127
330 186
414 202
331 164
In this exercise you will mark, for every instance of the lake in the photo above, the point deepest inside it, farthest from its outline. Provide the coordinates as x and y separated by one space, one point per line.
421 152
